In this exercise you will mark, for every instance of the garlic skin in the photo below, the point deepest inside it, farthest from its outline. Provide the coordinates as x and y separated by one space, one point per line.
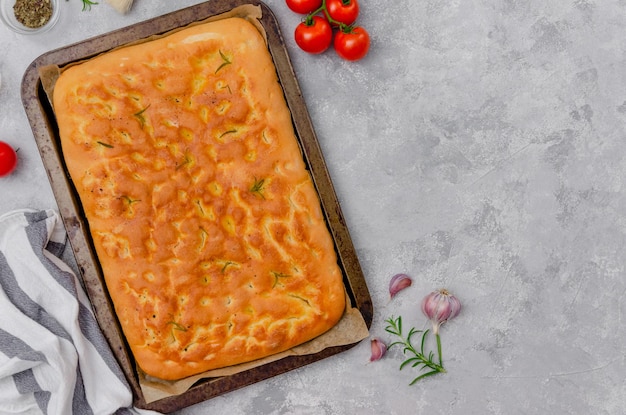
440 306
398 283
378 349
122 6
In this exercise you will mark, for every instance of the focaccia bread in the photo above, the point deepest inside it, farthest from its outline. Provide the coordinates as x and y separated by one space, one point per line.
203 215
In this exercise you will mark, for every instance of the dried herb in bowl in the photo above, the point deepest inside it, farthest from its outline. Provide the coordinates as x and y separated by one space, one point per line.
33 13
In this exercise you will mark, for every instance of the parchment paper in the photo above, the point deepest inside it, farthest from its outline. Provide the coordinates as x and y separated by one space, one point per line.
350 329
50 73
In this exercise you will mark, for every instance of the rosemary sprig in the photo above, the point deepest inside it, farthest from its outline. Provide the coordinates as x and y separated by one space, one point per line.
177 326
277 276
233 131
257 187
186 161
225 61
417 358
103 144
140 117
129 200
226 264
87 4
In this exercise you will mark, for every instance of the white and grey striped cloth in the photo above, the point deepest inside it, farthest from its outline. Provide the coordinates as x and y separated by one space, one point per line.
53 357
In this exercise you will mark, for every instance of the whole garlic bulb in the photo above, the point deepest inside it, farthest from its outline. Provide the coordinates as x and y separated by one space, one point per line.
440 306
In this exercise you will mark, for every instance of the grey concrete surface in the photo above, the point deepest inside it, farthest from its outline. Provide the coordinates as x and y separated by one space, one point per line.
480 146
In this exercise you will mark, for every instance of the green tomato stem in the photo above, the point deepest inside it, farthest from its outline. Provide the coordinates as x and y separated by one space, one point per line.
439 349
323 9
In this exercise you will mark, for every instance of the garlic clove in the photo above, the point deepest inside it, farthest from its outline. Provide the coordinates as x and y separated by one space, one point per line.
379 348
398 283
440 306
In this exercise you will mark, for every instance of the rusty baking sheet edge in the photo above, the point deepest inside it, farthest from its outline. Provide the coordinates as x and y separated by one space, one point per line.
43 125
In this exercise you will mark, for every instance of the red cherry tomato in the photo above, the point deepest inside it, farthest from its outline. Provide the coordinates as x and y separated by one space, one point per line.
304 6
314 34
8 159
343 11
352 44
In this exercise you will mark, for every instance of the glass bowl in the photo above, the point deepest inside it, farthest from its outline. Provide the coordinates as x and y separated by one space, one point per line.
7 15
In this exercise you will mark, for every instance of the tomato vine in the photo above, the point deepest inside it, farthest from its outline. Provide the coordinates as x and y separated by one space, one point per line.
314 34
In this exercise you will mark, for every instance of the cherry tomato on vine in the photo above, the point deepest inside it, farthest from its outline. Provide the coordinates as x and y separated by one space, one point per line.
8 159
343 11
352 43
304 6
314 34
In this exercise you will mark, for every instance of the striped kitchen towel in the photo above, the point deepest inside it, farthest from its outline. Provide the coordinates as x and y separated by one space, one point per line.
53 357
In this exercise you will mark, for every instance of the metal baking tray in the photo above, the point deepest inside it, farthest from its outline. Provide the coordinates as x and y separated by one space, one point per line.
43 124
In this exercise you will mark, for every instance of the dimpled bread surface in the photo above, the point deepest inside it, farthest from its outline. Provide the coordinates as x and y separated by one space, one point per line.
203 215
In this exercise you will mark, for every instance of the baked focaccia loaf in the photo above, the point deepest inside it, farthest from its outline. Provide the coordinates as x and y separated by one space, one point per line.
204 217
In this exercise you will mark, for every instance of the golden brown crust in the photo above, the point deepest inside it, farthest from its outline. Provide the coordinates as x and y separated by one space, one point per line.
204 217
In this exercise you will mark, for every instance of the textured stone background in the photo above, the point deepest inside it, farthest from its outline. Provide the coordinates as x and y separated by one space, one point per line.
479 147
